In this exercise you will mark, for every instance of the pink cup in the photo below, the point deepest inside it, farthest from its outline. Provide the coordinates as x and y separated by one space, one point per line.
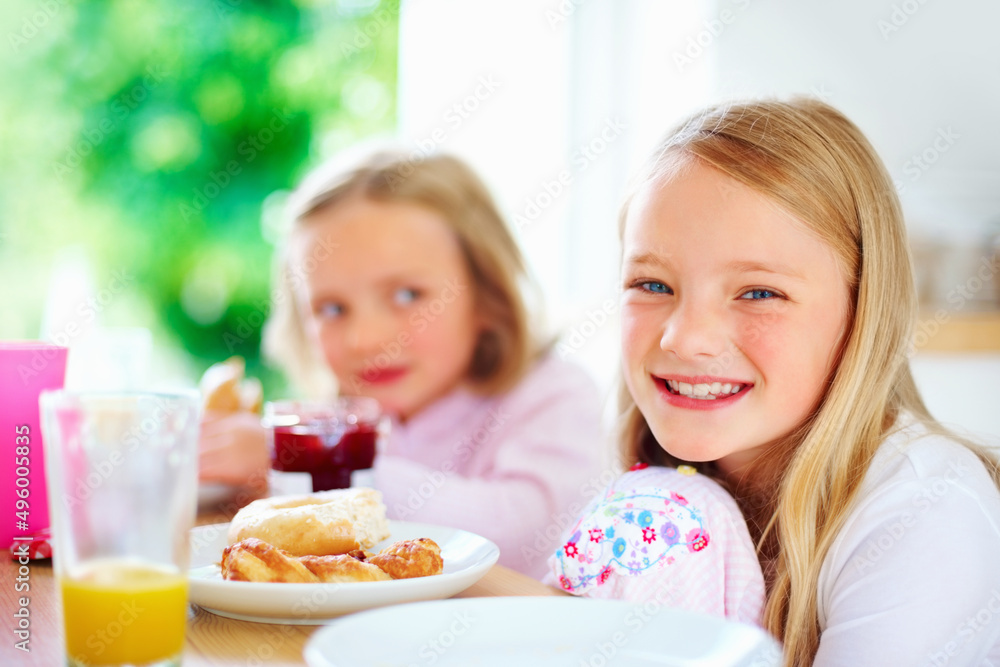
26 369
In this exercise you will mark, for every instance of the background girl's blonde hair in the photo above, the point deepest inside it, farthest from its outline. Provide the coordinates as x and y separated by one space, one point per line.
447 186
817 165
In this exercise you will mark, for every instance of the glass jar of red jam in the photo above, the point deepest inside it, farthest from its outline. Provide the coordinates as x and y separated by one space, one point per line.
321 445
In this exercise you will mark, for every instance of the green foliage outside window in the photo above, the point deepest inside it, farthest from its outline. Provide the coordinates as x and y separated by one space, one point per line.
153 136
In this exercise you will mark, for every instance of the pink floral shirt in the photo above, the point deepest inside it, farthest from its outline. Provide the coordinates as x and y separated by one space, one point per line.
664 534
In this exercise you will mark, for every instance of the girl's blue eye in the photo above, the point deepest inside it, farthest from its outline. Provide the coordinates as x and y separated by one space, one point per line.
655 287
405 296
330 310
756 294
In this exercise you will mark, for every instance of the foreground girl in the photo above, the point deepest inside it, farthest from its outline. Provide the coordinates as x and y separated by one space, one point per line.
768 305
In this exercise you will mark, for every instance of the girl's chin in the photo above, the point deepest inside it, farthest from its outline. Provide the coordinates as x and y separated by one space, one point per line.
692 456
695 448
401 411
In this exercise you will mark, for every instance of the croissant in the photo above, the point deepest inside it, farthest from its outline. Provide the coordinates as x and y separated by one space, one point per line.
255 560
225 387
407 559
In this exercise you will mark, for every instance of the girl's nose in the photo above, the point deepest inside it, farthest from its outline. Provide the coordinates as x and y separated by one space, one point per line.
694 330
370 329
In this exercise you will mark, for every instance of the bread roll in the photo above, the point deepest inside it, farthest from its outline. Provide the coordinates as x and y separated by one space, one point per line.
224 387
317 524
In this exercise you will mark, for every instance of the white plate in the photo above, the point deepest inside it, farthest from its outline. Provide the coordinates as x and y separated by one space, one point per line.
467 557
549 631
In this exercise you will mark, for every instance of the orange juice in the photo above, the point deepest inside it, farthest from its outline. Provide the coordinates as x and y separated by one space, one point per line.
124 611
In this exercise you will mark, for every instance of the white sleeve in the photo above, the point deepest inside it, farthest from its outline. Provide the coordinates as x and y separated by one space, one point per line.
914 579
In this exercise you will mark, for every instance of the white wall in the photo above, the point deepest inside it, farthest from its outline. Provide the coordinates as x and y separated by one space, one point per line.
921 78
959 390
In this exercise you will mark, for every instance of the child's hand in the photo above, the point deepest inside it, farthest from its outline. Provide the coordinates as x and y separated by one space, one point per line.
233 449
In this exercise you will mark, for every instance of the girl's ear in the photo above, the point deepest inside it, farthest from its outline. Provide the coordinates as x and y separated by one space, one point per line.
480 320
482 323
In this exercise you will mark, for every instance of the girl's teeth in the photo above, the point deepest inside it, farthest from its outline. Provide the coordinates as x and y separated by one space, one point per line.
704 391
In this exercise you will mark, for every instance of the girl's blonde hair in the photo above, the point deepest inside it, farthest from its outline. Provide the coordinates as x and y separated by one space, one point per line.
449 187
816 164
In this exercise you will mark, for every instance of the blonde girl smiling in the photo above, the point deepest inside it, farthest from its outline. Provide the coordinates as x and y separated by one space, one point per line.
768 308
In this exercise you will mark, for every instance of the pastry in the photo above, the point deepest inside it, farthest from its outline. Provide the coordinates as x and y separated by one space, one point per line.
407 559
255 560
326 523
224 388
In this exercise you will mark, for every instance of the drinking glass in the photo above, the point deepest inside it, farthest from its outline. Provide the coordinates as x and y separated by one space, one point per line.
123 494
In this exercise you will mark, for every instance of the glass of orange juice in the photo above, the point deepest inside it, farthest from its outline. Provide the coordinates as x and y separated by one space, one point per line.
122 487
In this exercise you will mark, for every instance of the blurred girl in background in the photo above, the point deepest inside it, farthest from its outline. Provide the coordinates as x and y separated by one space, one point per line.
400 280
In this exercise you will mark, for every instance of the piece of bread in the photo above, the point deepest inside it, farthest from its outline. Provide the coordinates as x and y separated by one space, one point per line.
255 560
325 523
224 387
407 559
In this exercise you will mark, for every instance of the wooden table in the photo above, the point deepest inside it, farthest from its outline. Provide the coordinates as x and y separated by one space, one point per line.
211 640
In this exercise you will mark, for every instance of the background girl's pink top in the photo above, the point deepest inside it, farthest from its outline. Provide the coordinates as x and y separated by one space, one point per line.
515 468
659 534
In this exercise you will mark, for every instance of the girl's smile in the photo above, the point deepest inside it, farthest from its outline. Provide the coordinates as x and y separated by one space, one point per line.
700 393
733 313
383 375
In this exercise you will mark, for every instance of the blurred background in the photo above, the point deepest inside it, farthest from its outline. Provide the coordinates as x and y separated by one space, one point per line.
146 147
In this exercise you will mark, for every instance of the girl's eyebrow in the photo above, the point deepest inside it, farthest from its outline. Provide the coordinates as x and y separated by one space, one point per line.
646 259
749 266
653 259
400 278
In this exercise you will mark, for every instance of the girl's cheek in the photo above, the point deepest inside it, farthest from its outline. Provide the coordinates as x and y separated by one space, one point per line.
414 328
328 340
761 323
637 331
765 337
754 333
